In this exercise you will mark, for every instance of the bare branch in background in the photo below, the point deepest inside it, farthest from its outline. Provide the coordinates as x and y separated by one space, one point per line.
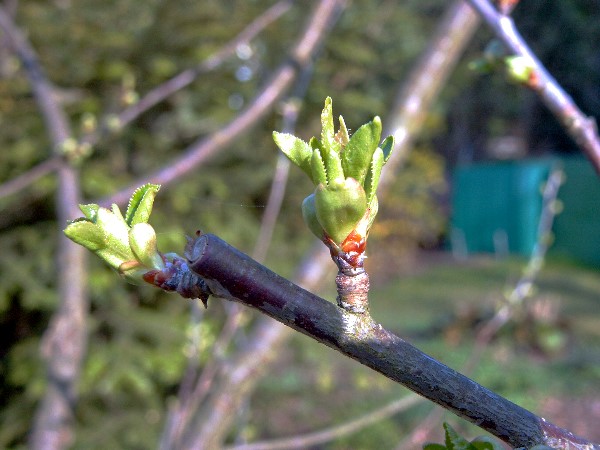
275 87
20 182
185 78
64 342
267 338
581 128
290 110
425 81
152 98
330 434
518 294
216 419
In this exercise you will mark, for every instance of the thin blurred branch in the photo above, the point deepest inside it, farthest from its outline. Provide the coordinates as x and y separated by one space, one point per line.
336 432
185 78
581 128
413 101
25 179
184 429
520 291
152 98
425 81
64 342
290 110
275 87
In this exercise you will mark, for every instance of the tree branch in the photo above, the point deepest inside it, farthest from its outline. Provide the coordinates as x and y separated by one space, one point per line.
327 435
155 96
268 336
64 342
185 78
580 127
275 87
425 81
234 276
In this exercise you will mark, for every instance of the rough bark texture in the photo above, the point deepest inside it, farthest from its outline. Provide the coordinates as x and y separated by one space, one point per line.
232 275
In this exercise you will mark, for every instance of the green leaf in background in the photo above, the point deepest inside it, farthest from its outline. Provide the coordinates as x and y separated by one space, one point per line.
140 204
455 441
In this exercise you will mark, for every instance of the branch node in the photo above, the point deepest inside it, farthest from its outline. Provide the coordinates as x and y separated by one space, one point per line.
353 291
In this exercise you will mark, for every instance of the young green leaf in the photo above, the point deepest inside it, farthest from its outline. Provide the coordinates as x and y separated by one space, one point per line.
455 441
373 175
387 146
89 211
339 207
140 204
297 151
115 231
85 233
319 173
434 446
328 141
309 213
142 240
357 156
342 135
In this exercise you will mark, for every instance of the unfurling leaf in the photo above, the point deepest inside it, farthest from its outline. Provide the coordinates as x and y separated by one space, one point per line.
142 240
140 204
297 151
357 156
309 213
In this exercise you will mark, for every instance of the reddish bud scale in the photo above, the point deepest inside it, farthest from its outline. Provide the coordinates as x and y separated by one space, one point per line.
354 247
351 251
354 243
150 276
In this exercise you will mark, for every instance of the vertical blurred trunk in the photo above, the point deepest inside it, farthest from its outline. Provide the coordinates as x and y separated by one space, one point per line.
426 80
247 365
63 345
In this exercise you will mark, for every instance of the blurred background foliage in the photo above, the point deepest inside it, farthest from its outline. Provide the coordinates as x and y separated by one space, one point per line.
104 54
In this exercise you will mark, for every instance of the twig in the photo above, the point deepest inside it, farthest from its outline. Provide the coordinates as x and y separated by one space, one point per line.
580 127
185 78
153 97
64 342
520 291
336 432
275 87
426 79
216 414
268 336
23 180
234 276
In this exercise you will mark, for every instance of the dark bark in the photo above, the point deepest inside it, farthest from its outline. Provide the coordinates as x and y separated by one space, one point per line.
232 275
